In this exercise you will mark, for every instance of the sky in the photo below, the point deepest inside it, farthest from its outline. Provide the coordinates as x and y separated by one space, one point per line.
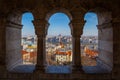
59 24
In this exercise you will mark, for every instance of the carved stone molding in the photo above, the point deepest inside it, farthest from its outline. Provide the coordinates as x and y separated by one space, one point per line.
15 16
14 25
104 17
104 26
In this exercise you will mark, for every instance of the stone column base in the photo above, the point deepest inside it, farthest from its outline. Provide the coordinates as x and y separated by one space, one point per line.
77 69
40 69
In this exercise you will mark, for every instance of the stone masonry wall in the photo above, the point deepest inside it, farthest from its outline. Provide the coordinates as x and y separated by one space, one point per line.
13 46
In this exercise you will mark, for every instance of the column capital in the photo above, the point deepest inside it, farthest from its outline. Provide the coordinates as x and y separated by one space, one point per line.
41 27
40 23
77 27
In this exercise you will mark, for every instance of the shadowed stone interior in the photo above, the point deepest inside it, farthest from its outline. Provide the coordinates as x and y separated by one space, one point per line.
108 61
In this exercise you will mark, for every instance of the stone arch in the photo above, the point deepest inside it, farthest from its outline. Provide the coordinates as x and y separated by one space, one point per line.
13 39
105 39
92 13
28 31
66 12
65 29
48 15
90 33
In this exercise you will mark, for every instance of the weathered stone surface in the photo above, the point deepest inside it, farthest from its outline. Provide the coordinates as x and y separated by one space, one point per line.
10 33
106 34
106 57
13 33
106 45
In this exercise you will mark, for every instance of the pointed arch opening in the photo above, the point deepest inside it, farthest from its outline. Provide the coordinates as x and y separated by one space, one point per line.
59 44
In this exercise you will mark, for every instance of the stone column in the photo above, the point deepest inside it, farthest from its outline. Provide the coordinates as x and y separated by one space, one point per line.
40 30
2 45
116 47
77 28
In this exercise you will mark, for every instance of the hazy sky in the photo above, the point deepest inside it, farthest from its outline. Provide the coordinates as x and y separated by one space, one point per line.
59 24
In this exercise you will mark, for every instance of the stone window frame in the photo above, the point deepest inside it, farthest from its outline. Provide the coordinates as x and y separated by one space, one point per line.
14 22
